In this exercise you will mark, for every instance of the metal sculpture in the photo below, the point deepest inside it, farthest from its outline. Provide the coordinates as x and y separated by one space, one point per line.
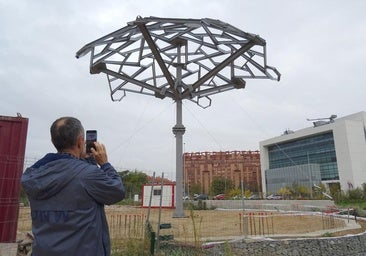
180 59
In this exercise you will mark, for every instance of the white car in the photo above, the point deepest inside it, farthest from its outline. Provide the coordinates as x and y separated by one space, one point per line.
186 198
274 197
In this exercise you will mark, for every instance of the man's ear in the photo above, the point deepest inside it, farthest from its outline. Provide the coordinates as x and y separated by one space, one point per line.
81 142
81 147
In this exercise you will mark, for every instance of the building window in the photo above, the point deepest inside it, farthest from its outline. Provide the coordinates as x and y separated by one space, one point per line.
317 149
157 192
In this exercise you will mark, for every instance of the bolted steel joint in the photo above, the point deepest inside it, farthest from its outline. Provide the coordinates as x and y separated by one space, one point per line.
179 129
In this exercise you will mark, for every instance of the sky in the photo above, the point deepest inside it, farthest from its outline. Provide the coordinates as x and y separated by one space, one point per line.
317 46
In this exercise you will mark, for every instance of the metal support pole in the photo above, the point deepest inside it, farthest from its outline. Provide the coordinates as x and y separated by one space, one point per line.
245 218
184 176
178 131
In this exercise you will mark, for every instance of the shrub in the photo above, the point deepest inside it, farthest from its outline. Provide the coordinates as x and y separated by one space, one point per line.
355 194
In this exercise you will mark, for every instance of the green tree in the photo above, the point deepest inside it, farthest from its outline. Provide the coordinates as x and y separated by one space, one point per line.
303 191
252 186
299 191
247 193
364 190
133 182
235 192
221 186
195 188
355 194
285 192
335 191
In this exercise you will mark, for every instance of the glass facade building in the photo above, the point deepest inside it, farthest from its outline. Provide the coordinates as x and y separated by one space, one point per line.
304 175
337 147
316 149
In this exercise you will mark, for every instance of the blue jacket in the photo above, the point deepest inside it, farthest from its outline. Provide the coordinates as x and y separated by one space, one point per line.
67 198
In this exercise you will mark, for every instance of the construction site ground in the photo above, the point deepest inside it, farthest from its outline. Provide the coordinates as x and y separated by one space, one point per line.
217 224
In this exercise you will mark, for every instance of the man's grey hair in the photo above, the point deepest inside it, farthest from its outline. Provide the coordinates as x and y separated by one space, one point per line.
65 132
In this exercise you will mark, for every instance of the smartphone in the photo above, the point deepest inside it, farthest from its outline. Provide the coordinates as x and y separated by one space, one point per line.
91 137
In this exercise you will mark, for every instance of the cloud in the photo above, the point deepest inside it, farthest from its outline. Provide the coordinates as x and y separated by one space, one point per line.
317 46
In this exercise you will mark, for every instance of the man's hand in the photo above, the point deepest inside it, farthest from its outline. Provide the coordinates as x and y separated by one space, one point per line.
99 153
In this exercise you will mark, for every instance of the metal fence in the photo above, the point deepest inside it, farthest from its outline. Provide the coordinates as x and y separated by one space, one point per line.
215 223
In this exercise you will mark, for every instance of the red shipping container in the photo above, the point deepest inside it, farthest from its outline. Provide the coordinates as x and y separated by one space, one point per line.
13 135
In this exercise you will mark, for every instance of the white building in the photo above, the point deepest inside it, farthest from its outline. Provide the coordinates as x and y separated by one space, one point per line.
156 195
336 148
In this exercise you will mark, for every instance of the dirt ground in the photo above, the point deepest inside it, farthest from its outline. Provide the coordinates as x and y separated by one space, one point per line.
210 225
352 231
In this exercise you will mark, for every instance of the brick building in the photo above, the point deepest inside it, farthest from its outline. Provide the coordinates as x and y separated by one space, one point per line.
202 167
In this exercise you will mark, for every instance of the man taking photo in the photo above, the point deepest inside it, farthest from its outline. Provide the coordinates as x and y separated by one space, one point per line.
67 194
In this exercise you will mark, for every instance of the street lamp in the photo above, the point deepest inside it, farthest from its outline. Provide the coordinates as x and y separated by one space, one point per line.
179 59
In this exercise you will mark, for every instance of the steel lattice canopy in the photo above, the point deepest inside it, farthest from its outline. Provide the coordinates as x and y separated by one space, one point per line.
178 58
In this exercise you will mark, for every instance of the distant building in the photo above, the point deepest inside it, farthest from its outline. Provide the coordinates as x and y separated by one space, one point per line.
202 167
334 151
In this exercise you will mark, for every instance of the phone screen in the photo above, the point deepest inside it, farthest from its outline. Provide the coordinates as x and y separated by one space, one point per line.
91 137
